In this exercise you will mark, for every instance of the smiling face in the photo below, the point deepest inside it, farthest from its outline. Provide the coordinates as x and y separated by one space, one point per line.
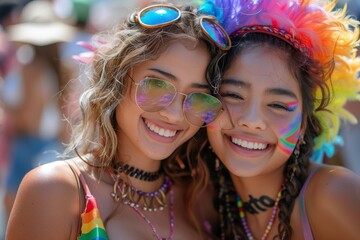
155 135
261 123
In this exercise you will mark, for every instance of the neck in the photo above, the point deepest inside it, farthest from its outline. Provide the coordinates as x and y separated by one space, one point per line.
261 185
259 222
144 164
127 155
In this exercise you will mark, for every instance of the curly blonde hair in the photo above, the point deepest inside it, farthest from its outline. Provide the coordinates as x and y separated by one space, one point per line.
121 50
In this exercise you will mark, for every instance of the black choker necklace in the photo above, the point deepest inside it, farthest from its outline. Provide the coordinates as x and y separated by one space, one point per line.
138 173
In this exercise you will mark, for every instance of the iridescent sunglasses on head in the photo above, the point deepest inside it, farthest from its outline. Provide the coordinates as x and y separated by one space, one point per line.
154 94
159 15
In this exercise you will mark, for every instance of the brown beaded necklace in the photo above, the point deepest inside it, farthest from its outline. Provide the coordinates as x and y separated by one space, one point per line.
151 201
138 211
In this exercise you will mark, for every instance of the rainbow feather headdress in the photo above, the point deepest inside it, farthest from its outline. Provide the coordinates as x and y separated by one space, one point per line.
317 30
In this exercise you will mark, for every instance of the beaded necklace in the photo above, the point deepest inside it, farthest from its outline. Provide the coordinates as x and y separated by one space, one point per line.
135 207
270 223
151 201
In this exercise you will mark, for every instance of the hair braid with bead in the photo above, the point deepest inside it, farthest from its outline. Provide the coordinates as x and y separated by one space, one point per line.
295 173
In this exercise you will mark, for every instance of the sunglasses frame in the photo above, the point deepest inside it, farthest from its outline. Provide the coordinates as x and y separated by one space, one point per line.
213 21
138 17
172 100
202 18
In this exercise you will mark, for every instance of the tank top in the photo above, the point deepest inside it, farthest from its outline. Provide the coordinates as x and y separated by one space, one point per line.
92 227
303 216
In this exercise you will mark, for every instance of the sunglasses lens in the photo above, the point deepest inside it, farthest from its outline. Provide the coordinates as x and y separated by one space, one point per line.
216 33
159 15
152 95
201 109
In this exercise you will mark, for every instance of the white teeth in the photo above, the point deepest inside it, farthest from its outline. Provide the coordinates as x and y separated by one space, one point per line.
249 145
160 131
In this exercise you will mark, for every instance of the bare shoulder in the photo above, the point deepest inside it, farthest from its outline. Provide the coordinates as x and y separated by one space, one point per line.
46 204
332 201
48 180
48 174
336 183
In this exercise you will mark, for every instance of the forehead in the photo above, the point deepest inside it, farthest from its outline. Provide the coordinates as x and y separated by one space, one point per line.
184 63
263 67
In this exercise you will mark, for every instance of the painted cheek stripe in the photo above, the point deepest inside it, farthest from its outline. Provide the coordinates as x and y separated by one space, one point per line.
290 136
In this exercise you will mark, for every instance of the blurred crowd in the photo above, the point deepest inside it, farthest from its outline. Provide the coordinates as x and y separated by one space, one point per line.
39 82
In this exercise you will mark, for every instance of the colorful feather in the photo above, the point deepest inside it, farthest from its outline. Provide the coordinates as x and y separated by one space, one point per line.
328 34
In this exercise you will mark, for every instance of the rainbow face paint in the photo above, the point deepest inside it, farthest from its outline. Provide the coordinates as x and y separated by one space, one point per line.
292 106
290 136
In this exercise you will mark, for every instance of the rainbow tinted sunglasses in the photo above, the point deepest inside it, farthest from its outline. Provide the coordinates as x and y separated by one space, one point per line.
160 15
153 95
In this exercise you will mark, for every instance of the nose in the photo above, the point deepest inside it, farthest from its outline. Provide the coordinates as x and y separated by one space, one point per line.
252 118
174 112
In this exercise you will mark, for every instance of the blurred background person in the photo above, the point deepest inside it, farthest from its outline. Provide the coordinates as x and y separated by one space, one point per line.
9 11
34 93
8 16
89 17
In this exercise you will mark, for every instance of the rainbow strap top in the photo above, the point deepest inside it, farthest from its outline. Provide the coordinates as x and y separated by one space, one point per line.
92 226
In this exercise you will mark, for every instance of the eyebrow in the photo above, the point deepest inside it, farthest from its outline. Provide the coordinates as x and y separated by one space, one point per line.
175 79
281 92
273 91
236 82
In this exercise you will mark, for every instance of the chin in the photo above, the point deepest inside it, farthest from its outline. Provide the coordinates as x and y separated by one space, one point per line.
242 168
157 155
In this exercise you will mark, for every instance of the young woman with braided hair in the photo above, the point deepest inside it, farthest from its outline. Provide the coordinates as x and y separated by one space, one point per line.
285 81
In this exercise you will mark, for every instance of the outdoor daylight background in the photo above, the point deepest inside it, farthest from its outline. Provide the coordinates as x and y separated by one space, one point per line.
25 31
